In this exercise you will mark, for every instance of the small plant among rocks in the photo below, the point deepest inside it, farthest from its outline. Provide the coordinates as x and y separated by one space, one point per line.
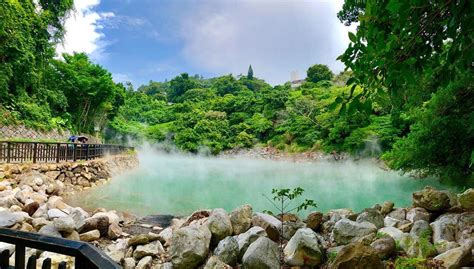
283 201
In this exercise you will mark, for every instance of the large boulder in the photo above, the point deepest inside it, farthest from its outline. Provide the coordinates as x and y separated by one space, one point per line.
373 216
455 258
241 219
357 256
219 225
228 250
466 199
290 227
189 246
445 227
90 236
346 231
418 213
303 249
385 247
393 232
49 230
271 225
145 263
261 254
431 199
245 239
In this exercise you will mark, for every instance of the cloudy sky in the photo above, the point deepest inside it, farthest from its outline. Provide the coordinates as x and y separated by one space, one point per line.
142 40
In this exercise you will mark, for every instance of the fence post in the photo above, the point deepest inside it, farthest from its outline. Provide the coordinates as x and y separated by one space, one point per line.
8 152
19 256
35 152
87 151
57 152
74 152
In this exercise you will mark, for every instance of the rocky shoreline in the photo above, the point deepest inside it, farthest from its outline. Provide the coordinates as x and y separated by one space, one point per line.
436 232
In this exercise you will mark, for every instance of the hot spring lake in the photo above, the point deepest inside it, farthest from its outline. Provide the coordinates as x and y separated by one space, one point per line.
180 184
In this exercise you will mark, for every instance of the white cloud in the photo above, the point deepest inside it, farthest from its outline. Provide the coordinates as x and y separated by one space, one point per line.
276 37
83 30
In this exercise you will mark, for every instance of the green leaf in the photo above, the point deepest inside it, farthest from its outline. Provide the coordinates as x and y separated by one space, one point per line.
352 37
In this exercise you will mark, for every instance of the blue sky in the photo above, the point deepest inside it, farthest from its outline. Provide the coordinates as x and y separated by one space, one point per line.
142 40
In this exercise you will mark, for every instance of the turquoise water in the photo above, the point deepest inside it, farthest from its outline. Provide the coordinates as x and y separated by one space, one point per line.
180 184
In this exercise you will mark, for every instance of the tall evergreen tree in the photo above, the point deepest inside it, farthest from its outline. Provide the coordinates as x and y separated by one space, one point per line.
250 72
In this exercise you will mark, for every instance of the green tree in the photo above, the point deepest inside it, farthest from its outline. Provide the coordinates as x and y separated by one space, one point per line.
250 73
179 85
421 54
319 72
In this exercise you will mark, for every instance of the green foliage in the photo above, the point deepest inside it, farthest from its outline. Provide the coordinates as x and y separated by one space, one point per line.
319 72
283 198
410 263
421 55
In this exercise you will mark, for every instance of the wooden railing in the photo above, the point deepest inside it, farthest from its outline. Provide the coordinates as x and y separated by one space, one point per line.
48 152
85 255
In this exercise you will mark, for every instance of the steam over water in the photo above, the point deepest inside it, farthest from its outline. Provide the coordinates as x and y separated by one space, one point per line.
180 184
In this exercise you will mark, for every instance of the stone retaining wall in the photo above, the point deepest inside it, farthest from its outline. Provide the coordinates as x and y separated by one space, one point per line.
62 178
21 131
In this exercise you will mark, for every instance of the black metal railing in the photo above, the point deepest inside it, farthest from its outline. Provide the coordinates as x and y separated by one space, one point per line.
48 152
85 255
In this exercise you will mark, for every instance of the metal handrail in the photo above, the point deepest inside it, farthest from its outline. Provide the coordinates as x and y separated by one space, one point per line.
85 255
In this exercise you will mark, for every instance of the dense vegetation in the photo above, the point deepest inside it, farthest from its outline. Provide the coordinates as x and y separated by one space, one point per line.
39 90
409 96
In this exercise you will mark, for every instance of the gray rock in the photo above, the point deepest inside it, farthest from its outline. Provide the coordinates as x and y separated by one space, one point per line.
445 227
114 231
372 216
152 249
245 239
290 228
393 232
455 258
415 246
337 214
64 224
241 219
144 263
398 213
357 256
261 254
466 199
443 246
219 225
215 263
390 222
346 231
303 249
418 213
421 228
165 236
228 250
40 222
189 246
56 213
78 215
385 247
271 225
8 219
387 207
49 230
129 263
431 199
465 231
